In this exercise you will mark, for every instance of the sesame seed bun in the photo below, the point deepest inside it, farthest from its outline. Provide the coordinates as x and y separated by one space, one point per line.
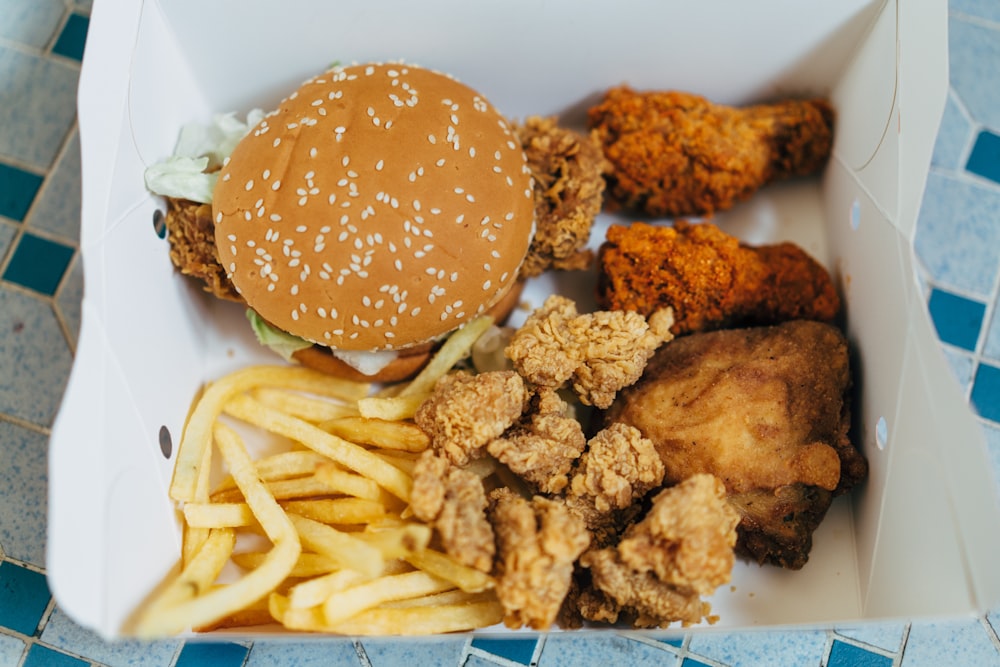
379 207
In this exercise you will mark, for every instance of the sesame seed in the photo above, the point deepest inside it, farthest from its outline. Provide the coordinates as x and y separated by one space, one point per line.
249 185
275 185
218 218
379 165
227 176
312 152
276 142
431 138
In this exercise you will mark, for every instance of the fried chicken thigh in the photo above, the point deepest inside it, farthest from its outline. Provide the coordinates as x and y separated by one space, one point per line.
710 279
678 154
764 409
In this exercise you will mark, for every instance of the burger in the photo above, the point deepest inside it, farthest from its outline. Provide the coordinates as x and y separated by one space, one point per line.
379 208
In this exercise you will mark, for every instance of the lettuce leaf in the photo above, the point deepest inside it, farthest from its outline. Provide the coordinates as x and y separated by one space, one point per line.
281 342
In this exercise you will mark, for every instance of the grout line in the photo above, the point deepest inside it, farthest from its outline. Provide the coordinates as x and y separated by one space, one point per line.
31 426
47 49
974 20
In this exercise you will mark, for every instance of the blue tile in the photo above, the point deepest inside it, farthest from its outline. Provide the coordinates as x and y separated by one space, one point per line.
958 237
38 264
11 649
957 642
43 656
73 37
958 320
37 105
974 60
692 662
676 642
24 595
33 354
31 22
843 654
318 653
61 632
17 190
23 486
985 157
750 649
389 652
986 392
211 654
515 650
569 650
953 135
57 206
984 9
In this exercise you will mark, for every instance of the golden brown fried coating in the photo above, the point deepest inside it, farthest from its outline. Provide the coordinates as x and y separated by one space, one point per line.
619 467
538 541
678 154
568 169
709 278
465 412
544 445
598 353
191 233
454 502
681 550
764 409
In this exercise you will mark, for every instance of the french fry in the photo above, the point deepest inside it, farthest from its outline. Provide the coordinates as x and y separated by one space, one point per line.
193 537
198 430
197 575
345 549
218 515
383 433
348 454
284 465
346 603
339 480
453 596
307 564
309 408
342 511
423 620
315 591
391 408
398 542
444 566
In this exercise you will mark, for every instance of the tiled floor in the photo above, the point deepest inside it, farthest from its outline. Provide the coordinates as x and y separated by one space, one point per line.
41 43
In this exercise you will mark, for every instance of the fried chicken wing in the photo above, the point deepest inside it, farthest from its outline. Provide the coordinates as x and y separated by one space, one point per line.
544 445
568 169
764 409
465 412
598 353
681 550
538 541
678 154
454 502
709 278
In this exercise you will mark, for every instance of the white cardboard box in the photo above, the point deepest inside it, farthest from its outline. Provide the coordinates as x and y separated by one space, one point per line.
917 539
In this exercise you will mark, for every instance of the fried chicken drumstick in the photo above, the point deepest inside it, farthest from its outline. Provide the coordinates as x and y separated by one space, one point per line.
710 279
678 154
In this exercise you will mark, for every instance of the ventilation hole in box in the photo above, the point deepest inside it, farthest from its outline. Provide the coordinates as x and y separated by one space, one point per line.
166 443
855 214
159 223
881 433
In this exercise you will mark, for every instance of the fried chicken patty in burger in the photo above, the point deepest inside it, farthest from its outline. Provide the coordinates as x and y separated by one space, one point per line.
377 209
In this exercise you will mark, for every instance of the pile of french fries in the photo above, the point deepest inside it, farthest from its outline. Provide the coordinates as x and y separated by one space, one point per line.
333 548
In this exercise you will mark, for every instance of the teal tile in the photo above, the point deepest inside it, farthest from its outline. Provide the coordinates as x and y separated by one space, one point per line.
24 595
514 649
37 105
38 264
843 654
986 392
43 656
17 191
73 37
211 654
985 157
958 320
